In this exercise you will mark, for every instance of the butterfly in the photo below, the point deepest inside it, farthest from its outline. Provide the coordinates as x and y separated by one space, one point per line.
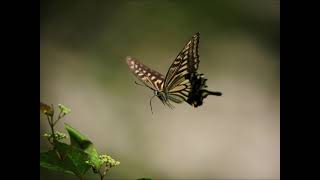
182 82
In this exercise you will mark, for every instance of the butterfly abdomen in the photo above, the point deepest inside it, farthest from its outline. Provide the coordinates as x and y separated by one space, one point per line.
182 82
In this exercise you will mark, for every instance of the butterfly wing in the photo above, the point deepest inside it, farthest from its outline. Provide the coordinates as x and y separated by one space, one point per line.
187 61
176 83
151 78
182 82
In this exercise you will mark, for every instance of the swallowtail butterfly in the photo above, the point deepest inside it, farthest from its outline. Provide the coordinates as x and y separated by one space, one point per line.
182 82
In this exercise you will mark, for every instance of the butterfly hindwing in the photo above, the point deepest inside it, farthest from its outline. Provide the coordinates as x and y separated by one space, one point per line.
177 83
182 82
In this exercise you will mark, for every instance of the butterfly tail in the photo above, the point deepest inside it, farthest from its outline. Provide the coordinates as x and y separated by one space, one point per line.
199 93
215 93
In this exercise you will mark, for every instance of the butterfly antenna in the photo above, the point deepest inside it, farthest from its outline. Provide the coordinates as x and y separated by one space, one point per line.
139 84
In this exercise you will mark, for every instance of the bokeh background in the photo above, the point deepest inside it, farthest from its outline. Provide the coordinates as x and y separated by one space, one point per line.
83 45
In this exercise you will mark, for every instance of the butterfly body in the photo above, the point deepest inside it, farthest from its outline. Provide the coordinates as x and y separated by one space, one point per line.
182 83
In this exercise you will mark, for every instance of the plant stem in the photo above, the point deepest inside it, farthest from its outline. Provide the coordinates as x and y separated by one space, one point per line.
51 127
101 177
52 130
59 117
49 121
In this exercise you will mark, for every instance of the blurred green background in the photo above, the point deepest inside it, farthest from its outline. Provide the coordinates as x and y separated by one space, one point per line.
83 45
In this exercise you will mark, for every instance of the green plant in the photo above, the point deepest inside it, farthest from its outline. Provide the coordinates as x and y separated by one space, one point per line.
75 158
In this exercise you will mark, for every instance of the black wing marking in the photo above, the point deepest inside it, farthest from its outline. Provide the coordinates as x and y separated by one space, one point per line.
182 81
199 93
149 77
186 62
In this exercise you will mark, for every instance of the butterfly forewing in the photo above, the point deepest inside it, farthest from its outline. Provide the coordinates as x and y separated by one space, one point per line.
186 62
177 83
182 82
149 77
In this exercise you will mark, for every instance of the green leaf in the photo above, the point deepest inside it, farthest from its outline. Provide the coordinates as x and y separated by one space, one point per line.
82 142
50 160
65 158
144 179
77 139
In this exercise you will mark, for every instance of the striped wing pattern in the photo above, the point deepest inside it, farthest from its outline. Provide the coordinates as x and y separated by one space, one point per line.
177 82
149 77
182 83
187 61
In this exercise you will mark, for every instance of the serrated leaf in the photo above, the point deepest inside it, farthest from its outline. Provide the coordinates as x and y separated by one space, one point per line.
77 139
74 158
82 142
50 160
65 158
